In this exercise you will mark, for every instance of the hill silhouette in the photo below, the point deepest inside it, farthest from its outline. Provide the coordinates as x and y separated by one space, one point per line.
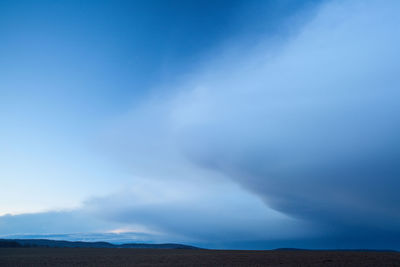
12 243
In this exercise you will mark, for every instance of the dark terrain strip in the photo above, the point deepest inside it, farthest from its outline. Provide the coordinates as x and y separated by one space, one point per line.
182 257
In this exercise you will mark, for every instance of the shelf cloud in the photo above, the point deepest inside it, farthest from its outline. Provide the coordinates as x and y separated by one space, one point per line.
310 127
289 139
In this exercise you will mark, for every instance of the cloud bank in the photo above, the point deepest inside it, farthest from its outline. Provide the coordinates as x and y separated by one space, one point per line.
311 127
291 142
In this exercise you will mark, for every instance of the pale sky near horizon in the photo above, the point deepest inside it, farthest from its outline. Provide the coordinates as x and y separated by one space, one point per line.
224 124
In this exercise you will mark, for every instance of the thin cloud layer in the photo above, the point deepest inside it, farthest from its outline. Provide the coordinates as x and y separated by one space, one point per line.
198 214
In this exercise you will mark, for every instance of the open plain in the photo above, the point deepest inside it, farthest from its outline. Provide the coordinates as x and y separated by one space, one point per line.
190 257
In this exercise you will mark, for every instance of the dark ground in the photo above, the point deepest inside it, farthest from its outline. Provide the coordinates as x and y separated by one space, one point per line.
183 257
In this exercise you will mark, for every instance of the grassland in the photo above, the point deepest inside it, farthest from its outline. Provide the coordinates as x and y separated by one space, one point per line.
182 257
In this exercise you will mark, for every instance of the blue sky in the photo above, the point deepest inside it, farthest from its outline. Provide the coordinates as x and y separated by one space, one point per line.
223 124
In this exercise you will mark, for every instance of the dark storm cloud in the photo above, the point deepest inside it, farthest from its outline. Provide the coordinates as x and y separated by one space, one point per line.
315 130
311 127
308 123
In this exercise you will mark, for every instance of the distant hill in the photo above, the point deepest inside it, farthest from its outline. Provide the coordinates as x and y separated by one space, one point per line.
9 244
360 250
80 244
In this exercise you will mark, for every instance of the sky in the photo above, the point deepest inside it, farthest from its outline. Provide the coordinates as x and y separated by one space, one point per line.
234 124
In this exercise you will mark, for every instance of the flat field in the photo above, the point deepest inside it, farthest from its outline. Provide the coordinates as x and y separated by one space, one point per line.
181 257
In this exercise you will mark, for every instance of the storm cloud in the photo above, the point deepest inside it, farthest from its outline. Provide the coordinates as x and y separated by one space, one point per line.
311 127
285 134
